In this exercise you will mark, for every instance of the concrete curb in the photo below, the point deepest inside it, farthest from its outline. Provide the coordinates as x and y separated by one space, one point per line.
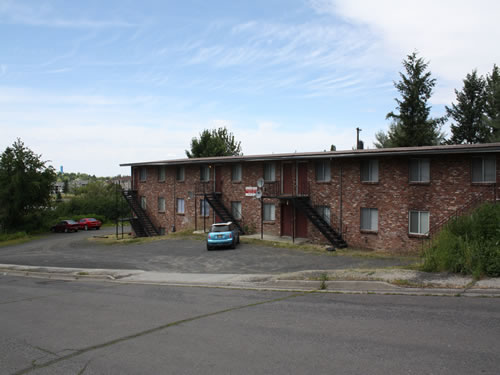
237 281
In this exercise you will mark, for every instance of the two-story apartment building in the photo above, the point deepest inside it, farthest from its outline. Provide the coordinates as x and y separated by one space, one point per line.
378 198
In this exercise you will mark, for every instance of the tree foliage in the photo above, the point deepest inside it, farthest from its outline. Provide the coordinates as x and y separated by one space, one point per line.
215 142
413 126
25 187
98 198
468 112
492 105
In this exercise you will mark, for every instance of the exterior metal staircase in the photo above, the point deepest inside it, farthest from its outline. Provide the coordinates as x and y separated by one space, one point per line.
141 224
216 203
332 235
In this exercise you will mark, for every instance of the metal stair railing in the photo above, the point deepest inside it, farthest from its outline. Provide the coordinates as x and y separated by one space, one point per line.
143 226
330 233
221 210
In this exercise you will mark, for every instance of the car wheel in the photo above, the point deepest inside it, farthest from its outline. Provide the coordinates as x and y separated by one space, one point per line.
86 227
209 247
233 244
97 228
65 230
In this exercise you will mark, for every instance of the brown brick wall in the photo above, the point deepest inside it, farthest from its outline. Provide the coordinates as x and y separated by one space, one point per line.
450 187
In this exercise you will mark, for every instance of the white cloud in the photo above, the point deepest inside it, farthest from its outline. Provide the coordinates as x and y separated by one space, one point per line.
455 35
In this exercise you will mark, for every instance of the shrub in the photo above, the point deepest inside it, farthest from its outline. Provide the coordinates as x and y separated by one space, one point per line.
468 245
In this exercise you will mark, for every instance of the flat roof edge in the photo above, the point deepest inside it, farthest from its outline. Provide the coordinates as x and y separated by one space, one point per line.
403 151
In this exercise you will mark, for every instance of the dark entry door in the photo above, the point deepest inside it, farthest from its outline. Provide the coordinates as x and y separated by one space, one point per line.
302 185
300 224
286 220
287 179
218 179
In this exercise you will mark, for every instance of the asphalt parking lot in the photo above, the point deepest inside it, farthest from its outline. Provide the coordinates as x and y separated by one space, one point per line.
175 255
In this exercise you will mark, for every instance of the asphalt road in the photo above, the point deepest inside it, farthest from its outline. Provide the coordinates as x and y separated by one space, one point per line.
57 327
181 255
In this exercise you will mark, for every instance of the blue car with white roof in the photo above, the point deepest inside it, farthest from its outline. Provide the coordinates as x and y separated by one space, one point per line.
223 235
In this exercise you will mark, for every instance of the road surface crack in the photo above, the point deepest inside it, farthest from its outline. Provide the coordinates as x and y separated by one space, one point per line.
150 331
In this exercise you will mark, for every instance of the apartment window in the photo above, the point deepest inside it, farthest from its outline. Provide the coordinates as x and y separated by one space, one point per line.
179 173
484 169
324 212
161 204
369 219
419 170
143 174
204 173
419 222
180 205
269 212
236 173
269 172
323 171
369 171
204 208
161 173
143 202
236 210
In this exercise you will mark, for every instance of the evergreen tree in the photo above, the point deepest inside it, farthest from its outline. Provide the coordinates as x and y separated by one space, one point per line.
468 112
492 106
413 125
215 142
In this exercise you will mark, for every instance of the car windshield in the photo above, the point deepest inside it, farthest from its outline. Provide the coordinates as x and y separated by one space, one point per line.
91 220
220 228
71 222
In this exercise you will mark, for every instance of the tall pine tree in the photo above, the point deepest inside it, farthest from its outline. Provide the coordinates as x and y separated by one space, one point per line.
413 126
492 106
468 112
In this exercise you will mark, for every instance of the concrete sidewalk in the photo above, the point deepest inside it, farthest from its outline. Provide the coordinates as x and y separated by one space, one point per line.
381 281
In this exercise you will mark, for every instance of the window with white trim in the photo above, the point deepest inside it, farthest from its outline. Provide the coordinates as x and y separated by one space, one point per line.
269 172
179 173
143 174
323 171
204 173
236 173
420 170
161 173
269 212
324 212
180 205
369 171
419 222
143 202
161 204
369 219
484 169
236 210
204 208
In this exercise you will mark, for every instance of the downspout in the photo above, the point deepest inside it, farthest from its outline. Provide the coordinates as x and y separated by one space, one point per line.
175 206
340 203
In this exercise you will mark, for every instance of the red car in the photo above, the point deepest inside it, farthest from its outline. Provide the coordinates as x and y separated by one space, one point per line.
66 226
89 223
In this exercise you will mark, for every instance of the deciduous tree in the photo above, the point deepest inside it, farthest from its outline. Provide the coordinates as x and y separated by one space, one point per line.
25 187
215 142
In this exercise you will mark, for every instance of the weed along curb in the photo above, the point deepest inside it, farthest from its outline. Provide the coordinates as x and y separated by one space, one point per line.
323 281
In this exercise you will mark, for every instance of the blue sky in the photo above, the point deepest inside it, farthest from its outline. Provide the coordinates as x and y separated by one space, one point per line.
92 84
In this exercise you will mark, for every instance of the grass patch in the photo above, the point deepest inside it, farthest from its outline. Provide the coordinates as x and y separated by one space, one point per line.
83 274
9 239
128 238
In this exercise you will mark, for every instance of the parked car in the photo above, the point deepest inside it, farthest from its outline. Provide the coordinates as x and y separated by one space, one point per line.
65 226
223 235
89 223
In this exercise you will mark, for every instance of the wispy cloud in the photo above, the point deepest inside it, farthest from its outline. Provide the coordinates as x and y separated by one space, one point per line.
41 14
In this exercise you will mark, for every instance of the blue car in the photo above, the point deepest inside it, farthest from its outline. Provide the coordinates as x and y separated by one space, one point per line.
223 235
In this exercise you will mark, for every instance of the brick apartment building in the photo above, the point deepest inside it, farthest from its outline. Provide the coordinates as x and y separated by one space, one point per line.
378 198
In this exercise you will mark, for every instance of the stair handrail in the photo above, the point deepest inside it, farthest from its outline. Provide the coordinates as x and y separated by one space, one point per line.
141 215
334 218
470 204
